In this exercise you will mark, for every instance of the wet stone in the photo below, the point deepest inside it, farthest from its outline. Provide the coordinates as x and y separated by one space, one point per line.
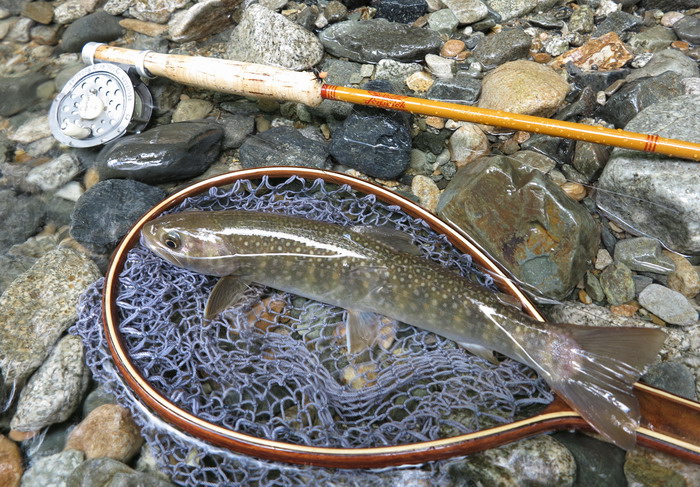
667 60
201 20
544 237
41 12
236 129
19 93
598 463
53 469
618 286
291 46
460 89
283 146
685 278
440 67
650 468
467 11
605 53
171 152
191 109
335 11
618 22
394 71
667 5
467 144
671 306
688 29
535 160
98 397
403 11
509 9
504 46
593 287
653 39
641 283
589 159
21 217
107 210
11 467
69 11
673 377
370 41
443 21
56 173
95 27
582 20
111 473
643 254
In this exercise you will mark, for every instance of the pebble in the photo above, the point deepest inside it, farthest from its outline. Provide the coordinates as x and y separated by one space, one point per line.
441 67
370 41
685 278
443 21
643 254
688 29
653 39
16 96
41 12
146 28
72 191
605 53
191 109
390 70
618 22
402 11
452 47
670 18
251 41
575 191
21 215
673 377
69 11
32 130
56 173
108 431
667 60
616 281
467 11
107 211
11 465
603 259
501 47
582 20
671 306
111 473
201 20
590 159
598 463
165 153
420 81
53 469
95 27
158 11
460 89
283 146
336 11
427 191
467 144
535 160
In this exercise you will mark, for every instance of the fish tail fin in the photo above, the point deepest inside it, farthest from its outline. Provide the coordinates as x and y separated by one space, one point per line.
596 377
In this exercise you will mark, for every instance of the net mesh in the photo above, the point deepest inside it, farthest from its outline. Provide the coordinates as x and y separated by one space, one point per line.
276 366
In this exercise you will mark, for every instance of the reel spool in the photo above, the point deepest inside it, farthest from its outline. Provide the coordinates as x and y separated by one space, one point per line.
99 104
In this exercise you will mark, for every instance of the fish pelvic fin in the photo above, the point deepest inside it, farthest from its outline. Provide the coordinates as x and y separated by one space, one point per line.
597 374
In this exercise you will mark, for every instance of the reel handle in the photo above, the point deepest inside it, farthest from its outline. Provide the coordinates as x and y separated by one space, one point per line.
223 75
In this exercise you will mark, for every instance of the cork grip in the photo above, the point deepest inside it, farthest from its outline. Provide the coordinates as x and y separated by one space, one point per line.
221 74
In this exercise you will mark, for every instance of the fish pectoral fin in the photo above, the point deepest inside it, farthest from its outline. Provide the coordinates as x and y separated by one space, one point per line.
225 294
480 351
390 237
364 328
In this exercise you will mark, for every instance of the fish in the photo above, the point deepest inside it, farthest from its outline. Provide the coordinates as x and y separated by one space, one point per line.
374 272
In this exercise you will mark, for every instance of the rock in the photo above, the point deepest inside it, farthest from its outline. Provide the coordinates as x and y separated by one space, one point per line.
107 431
237 128
593 287
21 217
165 153
467 11
150 29
590 159
68 12
55 173
640 283
341 73
510 9
369 41
38 307
688 29
673 377
653 39
403 11
618 22
452 48
523 87
535 160
201 20
52 470
98 397
467 144
335 11
633 182
19 93
643 254
667 5
440 67
536 462
283 146
647 468
41 12
427 191
55 390
667 60
506 45
443 21
597 462
46 35
460 89
106 211
671 306
618 286
394 71
636 95
523 220
582 20
95 27
603 259
158 11
684 279
605 53
191 109
32 130
291 46
111 473
11 467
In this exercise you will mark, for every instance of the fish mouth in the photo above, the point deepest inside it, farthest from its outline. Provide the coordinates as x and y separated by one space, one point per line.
149 239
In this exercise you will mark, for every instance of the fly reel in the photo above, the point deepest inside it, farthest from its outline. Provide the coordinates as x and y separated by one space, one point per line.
99 104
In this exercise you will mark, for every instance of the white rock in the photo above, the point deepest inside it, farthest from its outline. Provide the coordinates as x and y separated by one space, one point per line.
440 66
34 129
71 191
56 173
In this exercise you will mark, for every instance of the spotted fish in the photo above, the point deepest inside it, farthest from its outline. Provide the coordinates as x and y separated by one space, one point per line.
375 271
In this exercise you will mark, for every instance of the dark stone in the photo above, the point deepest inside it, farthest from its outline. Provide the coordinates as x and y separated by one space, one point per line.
597 463
171 152
584 105
166 95
19 93
618 22
403 11
105 212
668 5
307 17
373 140
370 41
504 46
636 95
283 146
430 142
339 73
95 27
524 220
550 146
673 377
460 89
21 217
353 4
688 29
617 283
590 159
236 129
595 80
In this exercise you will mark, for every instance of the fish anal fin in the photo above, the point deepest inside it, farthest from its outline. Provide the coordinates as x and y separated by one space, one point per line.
226 293
480 351
597 378
390 237
364 329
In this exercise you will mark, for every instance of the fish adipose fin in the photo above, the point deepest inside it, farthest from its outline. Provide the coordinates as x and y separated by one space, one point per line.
227 292
597 378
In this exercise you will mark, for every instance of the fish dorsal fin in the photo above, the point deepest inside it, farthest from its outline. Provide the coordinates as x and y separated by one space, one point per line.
364 328
480 351
225 294
390 237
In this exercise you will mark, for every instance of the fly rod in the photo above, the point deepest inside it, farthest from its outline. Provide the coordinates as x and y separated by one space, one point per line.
304 87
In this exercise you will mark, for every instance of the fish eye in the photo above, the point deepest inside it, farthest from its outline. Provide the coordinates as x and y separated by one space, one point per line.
172 240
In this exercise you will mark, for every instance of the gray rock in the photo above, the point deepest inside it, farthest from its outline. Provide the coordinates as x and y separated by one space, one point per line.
158 11
19 32
688 29
643 254
655 195
52 470
518 227
19 93
669 305
667 60
370 41
165 153
266 37
21 217
467 11
443 21
69 11
440 67
201 20
55 390
653 39
460 89
510 9
506 45
618 22
56 173
582 20
535 160
673 377
617 283
98 397
394 71
38 307
105 212
95 27
593 287
641 283
105 472
236 129
598 463
283 146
